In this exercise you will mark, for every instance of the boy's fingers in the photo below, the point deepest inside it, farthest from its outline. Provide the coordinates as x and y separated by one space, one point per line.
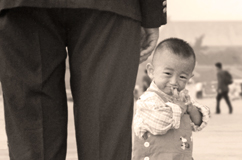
175 93
188 103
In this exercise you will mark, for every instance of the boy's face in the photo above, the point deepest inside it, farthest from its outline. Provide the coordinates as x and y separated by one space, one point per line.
170 71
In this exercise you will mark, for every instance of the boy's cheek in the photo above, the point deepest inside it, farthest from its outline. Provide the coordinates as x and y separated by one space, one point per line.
165 89
182 86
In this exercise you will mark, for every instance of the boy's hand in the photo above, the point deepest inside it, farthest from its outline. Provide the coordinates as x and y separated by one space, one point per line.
182 105
184 96
182 99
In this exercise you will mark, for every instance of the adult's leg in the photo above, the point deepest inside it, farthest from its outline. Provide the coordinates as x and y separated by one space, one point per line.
226 97
104 58
32 64
218 98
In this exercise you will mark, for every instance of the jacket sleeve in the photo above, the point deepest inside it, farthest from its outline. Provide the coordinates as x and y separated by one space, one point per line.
156 120
152 13
205 116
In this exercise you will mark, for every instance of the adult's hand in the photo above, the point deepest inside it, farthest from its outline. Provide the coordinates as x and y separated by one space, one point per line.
149 38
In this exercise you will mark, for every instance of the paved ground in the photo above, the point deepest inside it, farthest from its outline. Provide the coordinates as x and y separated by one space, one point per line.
221 140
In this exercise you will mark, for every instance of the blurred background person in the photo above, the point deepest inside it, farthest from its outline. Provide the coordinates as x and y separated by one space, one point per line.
224 80
199 90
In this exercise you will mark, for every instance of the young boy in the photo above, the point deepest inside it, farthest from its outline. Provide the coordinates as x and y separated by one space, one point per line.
165 115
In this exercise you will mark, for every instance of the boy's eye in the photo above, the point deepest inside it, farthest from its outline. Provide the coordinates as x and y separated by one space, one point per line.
183 77
167 73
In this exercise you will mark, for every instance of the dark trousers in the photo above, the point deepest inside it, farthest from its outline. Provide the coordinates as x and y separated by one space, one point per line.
103 50
226 97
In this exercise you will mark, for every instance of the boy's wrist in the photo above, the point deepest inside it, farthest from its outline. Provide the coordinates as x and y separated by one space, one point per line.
184 110
189 108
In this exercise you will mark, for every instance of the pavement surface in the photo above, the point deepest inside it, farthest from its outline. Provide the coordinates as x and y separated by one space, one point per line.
220 140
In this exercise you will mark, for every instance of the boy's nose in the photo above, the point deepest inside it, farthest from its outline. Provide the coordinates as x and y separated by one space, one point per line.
173 82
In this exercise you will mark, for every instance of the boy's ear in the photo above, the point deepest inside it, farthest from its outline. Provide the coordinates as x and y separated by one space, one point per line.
150 70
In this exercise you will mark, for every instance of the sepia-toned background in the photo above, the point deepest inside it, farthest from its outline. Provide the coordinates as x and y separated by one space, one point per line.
214 30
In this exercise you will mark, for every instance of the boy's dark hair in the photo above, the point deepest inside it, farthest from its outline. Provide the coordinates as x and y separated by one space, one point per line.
178 47
218 65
